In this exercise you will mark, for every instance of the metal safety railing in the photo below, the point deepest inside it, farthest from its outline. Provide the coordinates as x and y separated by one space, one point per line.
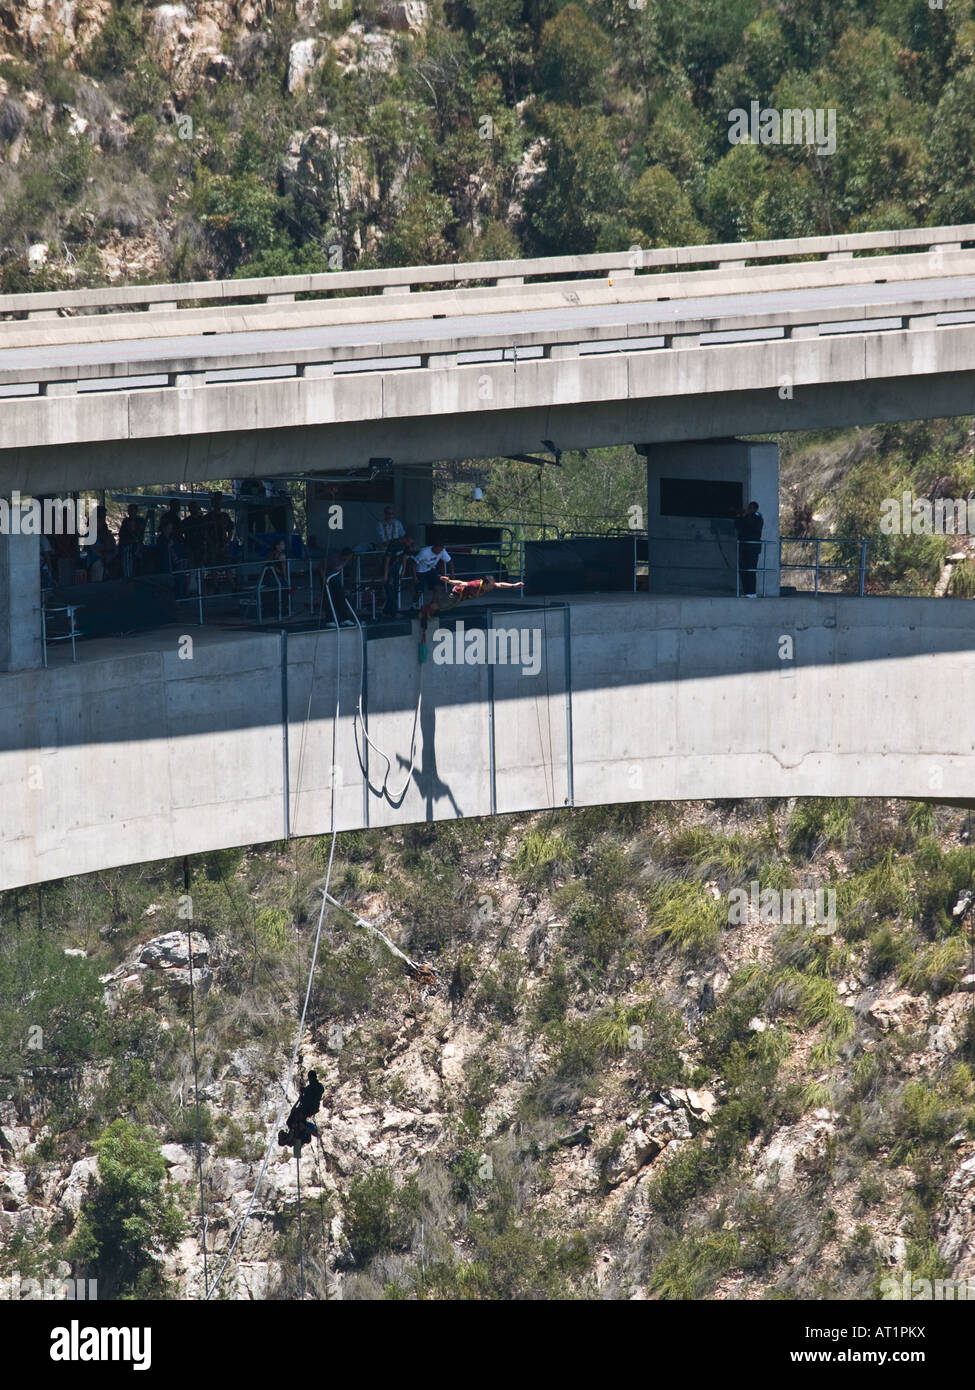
748 564
818 565
72 634
202 577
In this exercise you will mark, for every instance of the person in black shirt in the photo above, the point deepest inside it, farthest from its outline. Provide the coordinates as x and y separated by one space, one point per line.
311 1095
218 528
193 533
300 1127
749 525
336 587
131 536
398 552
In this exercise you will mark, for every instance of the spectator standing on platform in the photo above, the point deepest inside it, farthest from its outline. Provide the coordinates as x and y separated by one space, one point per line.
131 535
431 562
101 554
336 588
749 525
173 514
48 563
389 529
170 555
193 534
399 553
278 559
218 530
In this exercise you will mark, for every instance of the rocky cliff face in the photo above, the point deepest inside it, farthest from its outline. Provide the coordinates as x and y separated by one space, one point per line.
158 92
716 1122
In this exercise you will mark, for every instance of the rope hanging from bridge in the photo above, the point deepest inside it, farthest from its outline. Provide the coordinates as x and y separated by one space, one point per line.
395 798
304 1011
196 1087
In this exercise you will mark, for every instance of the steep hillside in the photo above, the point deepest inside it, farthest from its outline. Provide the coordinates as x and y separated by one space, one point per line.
623 1083
232 136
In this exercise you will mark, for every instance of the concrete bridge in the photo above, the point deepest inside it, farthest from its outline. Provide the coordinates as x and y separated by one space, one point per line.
880 326
677 693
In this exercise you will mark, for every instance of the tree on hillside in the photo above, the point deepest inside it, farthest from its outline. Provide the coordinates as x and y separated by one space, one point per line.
658 213
567 204
574 57
130 1219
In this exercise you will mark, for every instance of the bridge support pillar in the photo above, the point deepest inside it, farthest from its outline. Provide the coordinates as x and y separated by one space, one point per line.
693 490
414 499
20 602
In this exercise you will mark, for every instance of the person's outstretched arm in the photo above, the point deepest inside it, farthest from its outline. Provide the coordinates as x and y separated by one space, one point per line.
499 585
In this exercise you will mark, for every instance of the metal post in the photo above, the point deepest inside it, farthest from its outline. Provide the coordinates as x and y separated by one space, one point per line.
569 771
196 1084
816 571
301 1246
491 749
863 567
365 722
285 768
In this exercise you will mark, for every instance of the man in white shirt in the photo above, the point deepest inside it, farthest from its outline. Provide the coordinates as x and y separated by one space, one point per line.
389 529
431 562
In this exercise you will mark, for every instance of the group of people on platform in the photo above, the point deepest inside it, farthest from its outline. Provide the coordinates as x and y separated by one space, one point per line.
428 569
414 578
181 543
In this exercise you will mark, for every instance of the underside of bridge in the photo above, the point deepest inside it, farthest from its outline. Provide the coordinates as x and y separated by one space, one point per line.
197 458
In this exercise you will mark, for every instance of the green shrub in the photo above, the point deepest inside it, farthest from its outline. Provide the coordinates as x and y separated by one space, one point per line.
686 916
552 998
819 822
379 1215
272 925
541 857
500 990
937 969
119 44
129 1219
594 931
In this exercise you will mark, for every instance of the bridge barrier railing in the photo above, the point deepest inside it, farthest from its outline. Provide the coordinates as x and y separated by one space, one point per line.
334 362
404 280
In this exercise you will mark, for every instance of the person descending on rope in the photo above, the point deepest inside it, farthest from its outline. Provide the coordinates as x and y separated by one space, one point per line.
300 1129
311 1096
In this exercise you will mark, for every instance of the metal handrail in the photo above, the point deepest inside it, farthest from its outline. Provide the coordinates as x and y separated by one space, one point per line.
201 571
71 635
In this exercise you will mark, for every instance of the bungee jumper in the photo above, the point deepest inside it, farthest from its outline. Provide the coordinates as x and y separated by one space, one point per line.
301 1130
457 591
